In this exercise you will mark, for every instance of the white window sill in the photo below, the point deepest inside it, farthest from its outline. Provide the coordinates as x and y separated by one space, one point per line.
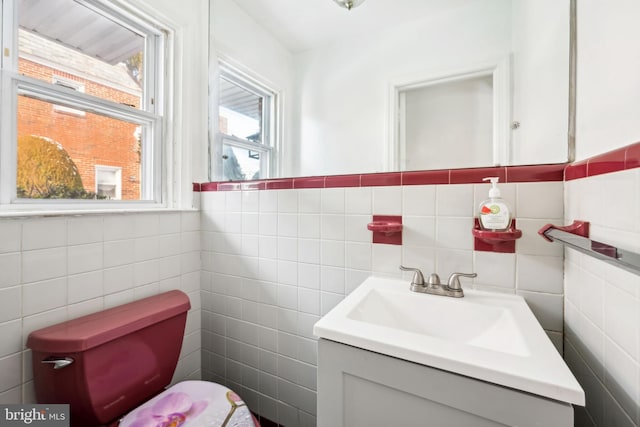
33 213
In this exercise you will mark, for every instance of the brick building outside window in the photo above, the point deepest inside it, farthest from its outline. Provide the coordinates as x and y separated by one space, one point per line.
96 143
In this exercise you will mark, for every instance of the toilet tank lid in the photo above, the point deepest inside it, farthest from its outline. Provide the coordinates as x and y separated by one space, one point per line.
89 331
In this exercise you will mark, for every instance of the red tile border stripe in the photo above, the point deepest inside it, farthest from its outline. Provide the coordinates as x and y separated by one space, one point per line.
254 185
426 177
381 179
575 171
337 181
617 160
535 173
229 186
209 186
632 156
476 175
279 184
613 161
430 177
309 182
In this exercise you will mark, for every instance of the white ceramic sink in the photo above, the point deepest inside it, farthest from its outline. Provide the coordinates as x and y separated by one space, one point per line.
490 336
471 321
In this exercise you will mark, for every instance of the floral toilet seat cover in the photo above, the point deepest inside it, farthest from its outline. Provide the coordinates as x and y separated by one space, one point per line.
192 404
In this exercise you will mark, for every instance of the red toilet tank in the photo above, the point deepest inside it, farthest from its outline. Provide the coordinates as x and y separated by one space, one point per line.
120 357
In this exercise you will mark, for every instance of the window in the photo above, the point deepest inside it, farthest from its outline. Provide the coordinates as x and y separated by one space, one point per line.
109 182
84 90
247 127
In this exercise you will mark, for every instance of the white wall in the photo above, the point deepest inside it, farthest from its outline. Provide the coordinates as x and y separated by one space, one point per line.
274 261
608 70
540 81
602 305
342 89
239 39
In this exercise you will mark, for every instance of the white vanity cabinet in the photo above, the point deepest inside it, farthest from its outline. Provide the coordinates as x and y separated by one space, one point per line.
361 388
388 356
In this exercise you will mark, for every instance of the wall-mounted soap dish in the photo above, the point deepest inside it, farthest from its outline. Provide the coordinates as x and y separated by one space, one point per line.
386 229
495 241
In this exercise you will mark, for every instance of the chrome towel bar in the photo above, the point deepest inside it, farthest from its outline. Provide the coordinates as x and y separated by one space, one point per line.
576 236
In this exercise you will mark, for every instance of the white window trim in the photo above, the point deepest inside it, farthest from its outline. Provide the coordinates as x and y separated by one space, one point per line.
500 71
161 191
71 85
271 124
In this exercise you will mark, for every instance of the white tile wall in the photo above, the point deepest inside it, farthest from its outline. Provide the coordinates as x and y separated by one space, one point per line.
272 263
55 269
314 249
602 305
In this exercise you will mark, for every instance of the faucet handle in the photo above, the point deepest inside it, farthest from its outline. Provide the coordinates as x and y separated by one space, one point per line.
418 277
433 280
454 282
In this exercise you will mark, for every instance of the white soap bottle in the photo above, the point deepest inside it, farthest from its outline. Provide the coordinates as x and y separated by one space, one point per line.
494 213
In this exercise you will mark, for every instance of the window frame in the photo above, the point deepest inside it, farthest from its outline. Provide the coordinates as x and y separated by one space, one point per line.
270 132
155 100
71 85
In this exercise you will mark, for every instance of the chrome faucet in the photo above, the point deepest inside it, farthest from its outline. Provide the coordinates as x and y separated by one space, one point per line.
433 284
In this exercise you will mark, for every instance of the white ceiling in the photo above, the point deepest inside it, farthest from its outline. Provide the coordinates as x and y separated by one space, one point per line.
303 24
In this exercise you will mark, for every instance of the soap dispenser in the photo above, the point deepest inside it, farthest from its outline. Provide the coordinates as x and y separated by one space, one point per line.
494 214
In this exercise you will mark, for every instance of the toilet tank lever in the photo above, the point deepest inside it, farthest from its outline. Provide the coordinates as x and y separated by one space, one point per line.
58 362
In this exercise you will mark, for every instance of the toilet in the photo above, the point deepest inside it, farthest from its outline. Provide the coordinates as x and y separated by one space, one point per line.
112 368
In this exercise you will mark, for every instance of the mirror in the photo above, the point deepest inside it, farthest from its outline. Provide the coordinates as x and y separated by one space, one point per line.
395 85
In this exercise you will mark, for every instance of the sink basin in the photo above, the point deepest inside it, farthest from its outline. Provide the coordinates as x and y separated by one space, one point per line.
489 336
472 321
